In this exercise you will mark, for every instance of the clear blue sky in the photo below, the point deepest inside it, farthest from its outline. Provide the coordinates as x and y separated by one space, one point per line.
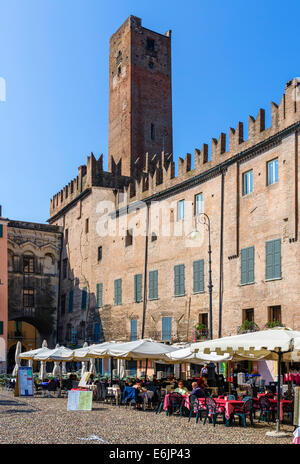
229 58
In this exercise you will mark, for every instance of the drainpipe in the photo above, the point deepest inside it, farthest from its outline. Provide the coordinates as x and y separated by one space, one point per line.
221 256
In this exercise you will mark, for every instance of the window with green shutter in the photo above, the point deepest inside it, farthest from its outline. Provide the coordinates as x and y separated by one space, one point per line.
138 288
247 265
273 259
118 291
133 329
166 334
99 295
1 328
1 230
71 301
179 280
198 276
153 285
83 298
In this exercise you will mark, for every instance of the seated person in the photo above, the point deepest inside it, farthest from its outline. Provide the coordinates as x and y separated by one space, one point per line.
202 383
197 391
181 388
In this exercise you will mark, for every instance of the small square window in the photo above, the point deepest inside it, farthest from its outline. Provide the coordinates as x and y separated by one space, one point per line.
129 237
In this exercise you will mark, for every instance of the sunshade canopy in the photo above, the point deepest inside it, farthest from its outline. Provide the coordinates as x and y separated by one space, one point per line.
57 354
139 349
187 355
31 354
263 344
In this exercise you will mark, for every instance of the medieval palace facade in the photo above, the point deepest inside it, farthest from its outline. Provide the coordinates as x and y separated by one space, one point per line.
130 263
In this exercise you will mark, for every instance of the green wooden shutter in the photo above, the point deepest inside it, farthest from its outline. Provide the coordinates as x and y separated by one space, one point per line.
273 259
71 301
138 288
166 329
99 295
133 329
198 276
153 285
250 259
83 298
179 284
1 328
1 230
118 291
277 259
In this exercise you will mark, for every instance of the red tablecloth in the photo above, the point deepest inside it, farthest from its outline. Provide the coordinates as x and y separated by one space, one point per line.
167 401
295 378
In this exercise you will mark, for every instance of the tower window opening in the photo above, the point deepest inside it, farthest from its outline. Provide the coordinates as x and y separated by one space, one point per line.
150 45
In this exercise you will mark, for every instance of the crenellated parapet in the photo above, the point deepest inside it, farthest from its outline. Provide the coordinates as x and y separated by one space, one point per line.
158 173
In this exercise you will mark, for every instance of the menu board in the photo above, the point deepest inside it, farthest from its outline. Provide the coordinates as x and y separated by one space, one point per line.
80 400
25 381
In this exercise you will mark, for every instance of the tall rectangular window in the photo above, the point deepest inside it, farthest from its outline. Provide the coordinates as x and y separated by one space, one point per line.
87 225
99 253
65 268
28 297
180 210
152 132
71 301
198 202
99 295
248 315
138 284
83 298
129 237
153 285
118 291
28 264
74 336
273 259
179 289
133 330
1 230
166 333
66 235
248 182
274 313
272 172
198 276
97 331
1 328
247 265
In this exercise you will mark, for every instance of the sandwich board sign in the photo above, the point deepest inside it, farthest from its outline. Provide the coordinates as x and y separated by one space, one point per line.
25 381
84 378
80 400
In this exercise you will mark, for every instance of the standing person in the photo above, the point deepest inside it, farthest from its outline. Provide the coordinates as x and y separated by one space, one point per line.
211 375
203 371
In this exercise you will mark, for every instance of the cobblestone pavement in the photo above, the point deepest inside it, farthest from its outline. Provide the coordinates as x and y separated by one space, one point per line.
46 420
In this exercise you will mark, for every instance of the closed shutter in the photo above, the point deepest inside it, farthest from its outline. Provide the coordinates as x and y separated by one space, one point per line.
198 276
1 327
133 329
97 327
247 265
273 259
251 264
153 285
1 230
179 284
71 301
138 288
83 298
118 291
99 295
166 328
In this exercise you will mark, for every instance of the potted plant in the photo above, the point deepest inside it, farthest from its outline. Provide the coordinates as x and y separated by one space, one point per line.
200 331
272 324
248 326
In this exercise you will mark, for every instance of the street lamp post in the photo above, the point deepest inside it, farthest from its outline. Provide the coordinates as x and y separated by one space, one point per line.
204 219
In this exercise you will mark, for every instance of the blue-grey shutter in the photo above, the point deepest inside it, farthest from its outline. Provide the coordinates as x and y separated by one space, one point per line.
133 329
179 280
138 288
153 285
250 264
118 291
198 276
99 295
166 328
277 258
83 298
71 301
273 259
244 272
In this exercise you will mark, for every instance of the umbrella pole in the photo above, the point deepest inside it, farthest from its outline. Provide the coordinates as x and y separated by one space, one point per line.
229 377
288 376
146 368
111 371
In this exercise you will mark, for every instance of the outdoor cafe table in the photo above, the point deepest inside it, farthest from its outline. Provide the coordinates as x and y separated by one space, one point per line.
295 378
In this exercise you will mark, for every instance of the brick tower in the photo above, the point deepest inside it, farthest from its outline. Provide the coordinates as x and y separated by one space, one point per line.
140 98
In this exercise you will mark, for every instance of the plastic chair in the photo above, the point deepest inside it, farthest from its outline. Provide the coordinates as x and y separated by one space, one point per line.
176 401
213 410
231 397
129 396
243 411
266 410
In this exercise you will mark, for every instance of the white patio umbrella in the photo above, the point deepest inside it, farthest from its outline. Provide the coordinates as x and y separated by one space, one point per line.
29 355
279 344
187 355
138 349
17 359
84 363
56 369
60 353
42 373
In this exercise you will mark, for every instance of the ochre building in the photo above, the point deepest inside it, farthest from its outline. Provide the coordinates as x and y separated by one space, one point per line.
135 256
